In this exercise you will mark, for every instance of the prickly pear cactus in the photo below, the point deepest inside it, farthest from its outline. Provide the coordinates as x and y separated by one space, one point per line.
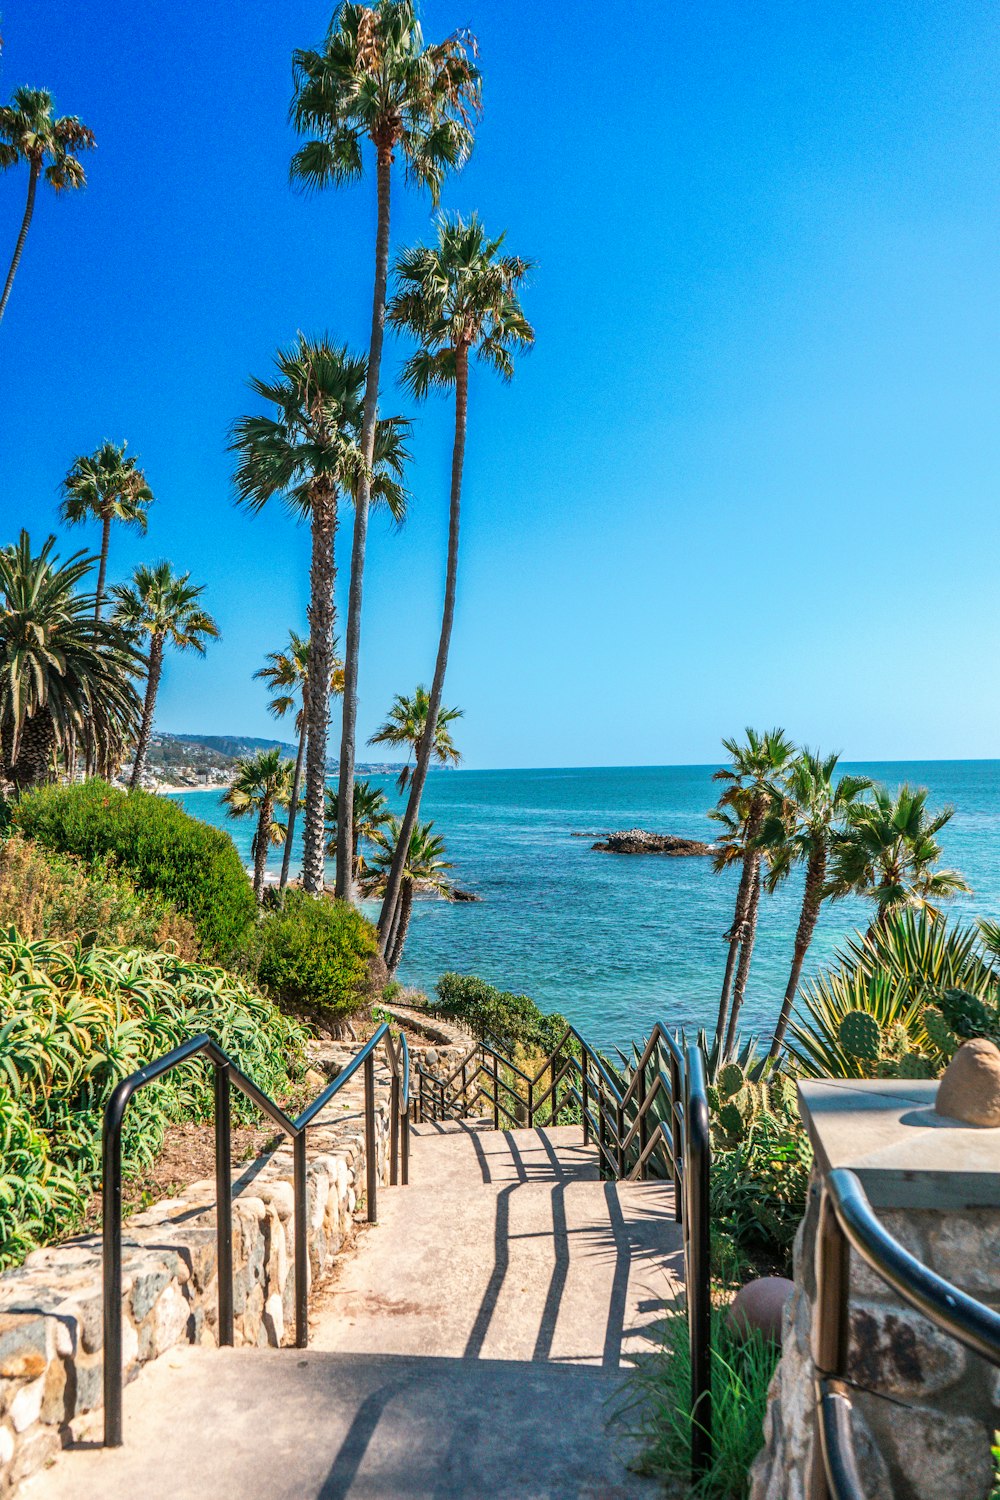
940 1033
910 1065
897 1042
968 1016
784 1098
731 1080
861 1036
731 1119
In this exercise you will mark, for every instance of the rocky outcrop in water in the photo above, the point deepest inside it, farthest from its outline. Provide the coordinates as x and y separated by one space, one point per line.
641 841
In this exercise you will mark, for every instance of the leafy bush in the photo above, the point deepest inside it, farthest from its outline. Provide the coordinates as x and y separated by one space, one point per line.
48 895
75 1021
157 843
513 1020
316 957
656 1407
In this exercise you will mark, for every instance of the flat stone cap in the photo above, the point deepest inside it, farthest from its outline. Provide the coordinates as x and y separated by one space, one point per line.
906 1154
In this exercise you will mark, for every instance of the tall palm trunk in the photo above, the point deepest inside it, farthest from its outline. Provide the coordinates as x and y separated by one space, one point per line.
352 647
293 806
402 927
153 675
444 642
746 953
812 900
322 576
260 846
743 893
33 174
102 570
33 764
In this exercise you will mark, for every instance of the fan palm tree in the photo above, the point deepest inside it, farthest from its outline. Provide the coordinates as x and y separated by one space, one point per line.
105 486
800 829
423 869
751 790
286 673
31 133
376 80
371 812
61 669
406 724
888 853
456 297
261 785
308 455
165 607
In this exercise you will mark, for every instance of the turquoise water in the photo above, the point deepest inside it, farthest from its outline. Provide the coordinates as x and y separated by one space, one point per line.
615 941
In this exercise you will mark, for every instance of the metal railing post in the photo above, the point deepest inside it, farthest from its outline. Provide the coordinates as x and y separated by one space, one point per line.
112 1269
696 1186
620 1128
602 1126
371 1163
584 1096
405 1166
531 1103
676 1104
224 1203
641 1098
394 1131
301 1241
830 1334
496 1092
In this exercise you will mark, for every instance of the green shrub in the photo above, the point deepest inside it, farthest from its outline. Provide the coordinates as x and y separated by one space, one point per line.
513 1020
162 849
656 1407
49 895
76 1021
317 957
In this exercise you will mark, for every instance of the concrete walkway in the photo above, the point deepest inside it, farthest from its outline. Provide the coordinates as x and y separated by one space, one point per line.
468 1346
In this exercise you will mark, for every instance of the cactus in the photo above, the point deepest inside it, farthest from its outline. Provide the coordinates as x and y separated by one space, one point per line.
784 1096
897 1041
910 1065
731 1119
731 1080
968 1016
940 1033
861 1036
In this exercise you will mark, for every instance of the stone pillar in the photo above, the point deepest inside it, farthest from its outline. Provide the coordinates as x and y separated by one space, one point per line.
925 1409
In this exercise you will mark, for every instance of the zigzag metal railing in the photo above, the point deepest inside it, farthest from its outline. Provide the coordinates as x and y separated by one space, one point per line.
227 1074
846 1220
628 1136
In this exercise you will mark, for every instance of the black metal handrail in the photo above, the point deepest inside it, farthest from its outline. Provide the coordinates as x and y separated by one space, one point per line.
227 1074
625 1147
846 1220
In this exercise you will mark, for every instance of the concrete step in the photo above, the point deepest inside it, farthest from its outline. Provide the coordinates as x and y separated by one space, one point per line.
313 1426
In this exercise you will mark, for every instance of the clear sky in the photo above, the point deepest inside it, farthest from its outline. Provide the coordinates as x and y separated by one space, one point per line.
749 473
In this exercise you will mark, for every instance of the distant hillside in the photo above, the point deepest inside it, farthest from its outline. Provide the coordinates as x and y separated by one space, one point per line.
229 747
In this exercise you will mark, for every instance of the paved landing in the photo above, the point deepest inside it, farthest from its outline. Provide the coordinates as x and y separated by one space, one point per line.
468 1345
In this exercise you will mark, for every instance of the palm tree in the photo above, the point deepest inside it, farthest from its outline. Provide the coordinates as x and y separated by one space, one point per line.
376 80
423 869
800 830
751 789
105 486
458 296
308 455
371 813
888 853
406 724
60 668
163 606
262 784
30 132
286 673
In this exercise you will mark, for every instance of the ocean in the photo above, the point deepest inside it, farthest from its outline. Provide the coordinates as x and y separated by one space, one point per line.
618 941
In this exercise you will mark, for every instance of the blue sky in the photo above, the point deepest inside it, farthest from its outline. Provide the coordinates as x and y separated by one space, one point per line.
749 473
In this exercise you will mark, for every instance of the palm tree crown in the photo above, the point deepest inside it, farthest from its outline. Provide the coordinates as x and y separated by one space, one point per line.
61 671
370 814
888 852
406 724
106 486
31 133
456 296
376 79
286 674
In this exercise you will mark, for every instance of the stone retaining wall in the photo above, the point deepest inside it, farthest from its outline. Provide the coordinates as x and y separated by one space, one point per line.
926 1434
51 1365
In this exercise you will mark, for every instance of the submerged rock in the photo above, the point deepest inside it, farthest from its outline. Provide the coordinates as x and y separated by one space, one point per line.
640 841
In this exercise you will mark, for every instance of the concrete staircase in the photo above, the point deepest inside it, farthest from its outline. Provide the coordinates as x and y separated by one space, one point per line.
467 1346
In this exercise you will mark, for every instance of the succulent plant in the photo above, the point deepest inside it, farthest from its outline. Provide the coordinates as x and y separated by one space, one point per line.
731 1080
861 1036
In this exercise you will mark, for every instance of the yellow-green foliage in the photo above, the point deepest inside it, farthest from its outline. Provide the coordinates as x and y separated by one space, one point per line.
77 1020
48 895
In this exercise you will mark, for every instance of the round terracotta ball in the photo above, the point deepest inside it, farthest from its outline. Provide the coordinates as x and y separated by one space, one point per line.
759 1306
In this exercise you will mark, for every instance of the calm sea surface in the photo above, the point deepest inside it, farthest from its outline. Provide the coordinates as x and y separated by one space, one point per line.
614 941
